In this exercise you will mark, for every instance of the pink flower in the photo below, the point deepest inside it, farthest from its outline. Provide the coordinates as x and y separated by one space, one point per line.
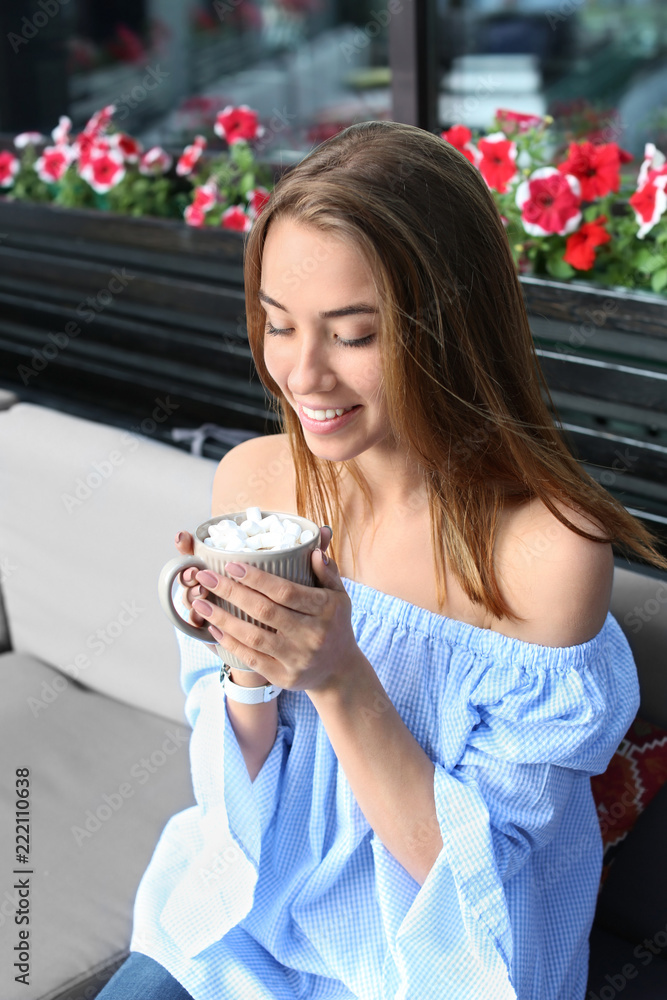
238 124
155 161
257 199
190 156
550 202
129 148
104 170
460 138
83 145
9 168
53 163
100 121
194 215
24 139
206 196
62 130
517 121
235 218
498 162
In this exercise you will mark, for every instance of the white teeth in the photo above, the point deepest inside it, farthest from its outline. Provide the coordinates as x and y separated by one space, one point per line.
324 414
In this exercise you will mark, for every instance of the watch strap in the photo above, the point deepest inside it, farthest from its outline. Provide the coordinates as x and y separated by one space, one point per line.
247 695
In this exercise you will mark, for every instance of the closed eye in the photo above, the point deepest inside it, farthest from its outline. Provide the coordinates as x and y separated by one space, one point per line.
361 342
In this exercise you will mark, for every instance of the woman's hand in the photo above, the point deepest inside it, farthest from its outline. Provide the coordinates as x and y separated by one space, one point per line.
311 644
193 589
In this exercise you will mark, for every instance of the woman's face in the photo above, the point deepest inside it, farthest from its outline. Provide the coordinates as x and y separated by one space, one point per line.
323 362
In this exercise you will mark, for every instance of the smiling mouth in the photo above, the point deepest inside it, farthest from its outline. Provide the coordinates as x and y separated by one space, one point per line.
325 414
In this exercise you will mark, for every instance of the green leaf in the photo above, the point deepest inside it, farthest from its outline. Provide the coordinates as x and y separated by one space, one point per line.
659 280
559 268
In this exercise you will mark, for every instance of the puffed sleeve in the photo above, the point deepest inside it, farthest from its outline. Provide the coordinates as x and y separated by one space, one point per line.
530 725
221 841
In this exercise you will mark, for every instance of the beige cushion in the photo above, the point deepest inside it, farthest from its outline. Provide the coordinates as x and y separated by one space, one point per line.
81 562
104 780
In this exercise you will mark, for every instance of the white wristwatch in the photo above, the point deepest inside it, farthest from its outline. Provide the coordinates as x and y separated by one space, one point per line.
246 695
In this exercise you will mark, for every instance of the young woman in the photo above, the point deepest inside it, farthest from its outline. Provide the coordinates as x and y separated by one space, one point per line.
411 817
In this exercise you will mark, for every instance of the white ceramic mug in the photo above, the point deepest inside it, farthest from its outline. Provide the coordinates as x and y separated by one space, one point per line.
290 564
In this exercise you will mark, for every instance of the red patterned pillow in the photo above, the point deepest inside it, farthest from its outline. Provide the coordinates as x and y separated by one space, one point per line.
635 774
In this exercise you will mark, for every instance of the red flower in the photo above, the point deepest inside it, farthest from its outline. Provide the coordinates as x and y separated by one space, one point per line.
460 138
549 202
580 246
194 215
155 161
130 148
597 168
235 218
237 124
649 204
653 165
103 170
257 199
9 168
53 163
498 162
83 147
100 121
190 156
206 196
516 121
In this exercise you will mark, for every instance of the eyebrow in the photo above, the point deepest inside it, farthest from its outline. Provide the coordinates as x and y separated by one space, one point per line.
353 310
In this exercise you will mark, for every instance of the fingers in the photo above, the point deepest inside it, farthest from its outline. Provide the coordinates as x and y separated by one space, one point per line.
186 579
325 537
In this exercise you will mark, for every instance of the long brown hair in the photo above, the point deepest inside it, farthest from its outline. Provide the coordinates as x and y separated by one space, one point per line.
458 358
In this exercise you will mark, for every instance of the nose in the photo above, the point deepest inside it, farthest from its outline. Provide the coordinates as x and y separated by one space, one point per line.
311 372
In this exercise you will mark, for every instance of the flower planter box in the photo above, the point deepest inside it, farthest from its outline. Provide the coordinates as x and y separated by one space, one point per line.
156 306
604 354
159 309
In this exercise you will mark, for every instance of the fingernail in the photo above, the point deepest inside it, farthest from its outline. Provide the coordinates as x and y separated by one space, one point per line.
329 527
208 579
324 558
235 569
202 608
178 538
215 632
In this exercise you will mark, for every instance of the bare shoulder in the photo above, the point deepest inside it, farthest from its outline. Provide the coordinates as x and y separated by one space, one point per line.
258 472
556 579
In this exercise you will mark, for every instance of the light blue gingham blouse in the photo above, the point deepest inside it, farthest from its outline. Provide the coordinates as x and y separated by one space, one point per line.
279 889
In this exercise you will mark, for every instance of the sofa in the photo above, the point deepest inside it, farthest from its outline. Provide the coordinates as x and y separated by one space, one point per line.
93 723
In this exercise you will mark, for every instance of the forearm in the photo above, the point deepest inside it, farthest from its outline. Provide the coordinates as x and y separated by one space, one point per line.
390 775
255 726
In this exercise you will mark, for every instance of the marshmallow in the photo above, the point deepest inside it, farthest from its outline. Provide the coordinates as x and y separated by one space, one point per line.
257 533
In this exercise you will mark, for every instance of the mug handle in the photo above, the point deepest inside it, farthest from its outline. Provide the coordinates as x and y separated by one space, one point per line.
165 583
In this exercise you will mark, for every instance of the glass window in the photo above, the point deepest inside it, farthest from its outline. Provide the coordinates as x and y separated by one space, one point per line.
592 64
309 67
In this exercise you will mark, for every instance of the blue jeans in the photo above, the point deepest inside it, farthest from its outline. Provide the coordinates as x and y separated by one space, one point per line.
142 978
